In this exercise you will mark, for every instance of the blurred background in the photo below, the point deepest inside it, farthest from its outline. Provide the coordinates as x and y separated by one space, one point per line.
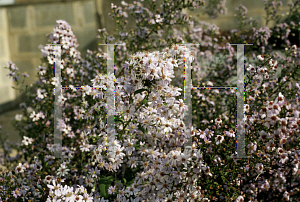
24 25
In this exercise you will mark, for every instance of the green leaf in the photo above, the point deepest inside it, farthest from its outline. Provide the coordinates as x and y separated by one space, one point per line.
141 128
104 184
130 182
139 91
144 101
137 147
147 83
129 176
118 119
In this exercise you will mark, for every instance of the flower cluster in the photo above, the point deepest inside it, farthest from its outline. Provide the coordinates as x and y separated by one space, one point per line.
144 157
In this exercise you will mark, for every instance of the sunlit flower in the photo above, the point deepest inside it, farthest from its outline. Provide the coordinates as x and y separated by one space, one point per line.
218 121
63 170
55 187
20 168
230 133
219 139
260 57
27 140
239 199
158 19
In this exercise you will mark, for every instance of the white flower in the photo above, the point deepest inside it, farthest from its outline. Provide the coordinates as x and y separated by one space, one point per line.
246 108
284 158
206 170
152 21
70 71
279 151
238 182
62 170
85 147
239 199
55 81
219 139
87 198
57 191
34 116
218 121
280 98
133 162
251 69
42 70
230 133
262 70
41 93
41 115
86 90
18 117
286 195
124 3
57 51
102 30
113 5
296 171
260 57
73 52
61 99
158 18
259 168
112 189
209 83
89 181
20 168
27 140
51 59
252 147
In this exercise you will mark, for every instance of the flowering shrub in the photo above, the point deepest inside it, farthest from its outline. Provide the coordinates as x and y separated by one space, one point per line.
151 163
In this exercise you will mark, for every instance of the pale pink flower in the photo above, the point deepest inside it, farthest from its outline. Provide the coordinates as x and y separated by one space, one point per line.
230 133
111 189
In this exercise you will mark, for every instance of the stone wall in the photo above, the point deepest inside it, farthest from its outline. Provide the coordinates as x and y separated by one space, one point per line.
5 88
23 27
